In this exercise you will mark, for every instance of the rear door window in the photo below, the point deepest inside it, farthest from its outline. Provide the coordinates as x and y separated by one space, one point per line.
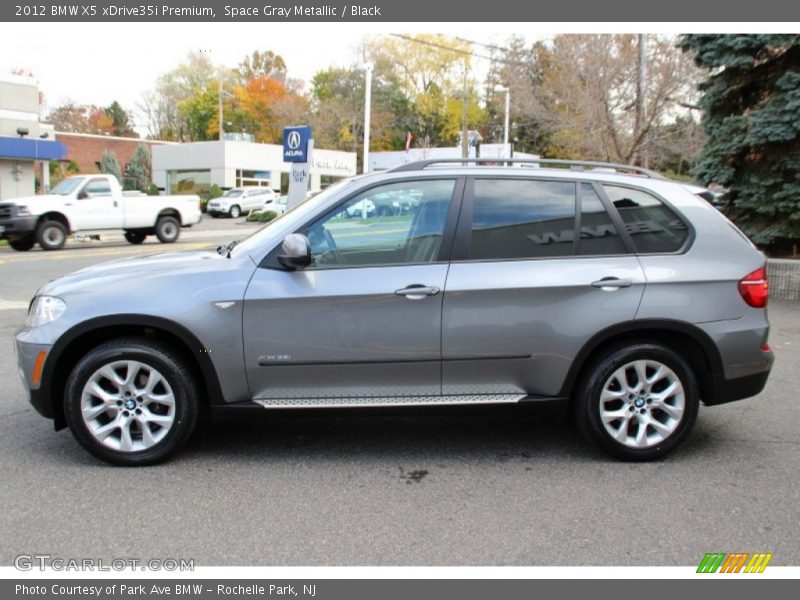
652 225
517 218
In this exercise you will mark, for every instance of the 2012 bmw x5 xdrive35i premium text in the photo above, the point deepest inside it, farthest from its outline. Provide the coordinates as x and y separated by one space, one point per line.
607 291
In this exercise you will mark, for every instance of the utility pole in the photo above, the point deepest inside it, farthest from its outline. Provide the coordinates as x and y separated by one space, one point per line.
639 157
464 130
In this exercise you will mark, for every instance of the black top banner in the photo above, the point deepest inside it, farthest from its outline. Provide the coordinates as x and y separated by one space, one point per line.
281 11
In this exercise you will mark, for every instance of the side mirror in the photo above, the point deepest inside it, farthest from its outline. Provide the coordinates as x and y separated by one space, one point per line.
295 252
83 194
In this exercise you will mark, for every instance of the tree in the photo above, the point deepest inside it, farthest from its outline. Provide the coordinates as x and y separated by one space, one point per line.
262 64
110 165
88 118
751 115
433 72
140 168
161 106
121 120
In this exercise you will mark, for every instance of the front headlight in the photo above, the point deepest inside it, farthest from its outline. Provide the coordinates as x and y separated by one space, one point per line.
23 211
44 310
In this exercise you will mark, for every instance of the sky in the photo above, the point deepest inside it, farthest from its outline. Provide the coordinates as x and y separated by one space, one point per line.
96 63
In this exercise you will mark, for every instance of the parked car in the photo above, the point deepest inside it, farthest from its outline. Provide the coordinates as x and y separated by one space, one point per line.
363 208
279 206
91 203
241 200
619 298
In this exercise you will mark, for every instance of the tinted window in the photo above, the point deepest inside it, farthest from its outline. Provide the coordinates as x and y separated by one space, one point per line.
515 218
599 235
398 223
653 226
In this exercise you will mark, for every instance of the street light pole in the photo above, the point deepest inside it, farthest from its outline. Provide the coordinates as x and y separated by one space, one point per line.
367 116
507 90
219 101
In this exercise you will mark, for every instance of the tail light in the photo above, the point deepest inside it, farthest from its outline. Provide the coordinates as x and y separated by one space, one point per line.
754 288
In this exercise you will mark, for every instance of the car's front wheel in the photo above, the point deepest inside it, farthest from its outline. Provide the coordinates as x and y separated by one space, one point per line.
637 401
235 212
51 235
131 401
22 244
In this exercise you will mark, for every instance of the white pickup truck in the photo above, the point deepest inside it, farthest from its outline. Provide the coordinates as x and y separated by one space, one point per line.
90 203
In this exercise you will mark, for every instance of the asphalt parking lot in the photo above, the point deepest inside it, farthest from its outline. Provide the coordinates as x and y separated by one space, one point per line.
448 488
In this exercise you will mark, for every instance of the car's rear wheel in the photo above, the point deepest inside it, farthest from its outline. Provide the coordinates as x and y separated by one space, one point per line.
167 229
235 212
135 237
51 235
131 402
637 402
22 244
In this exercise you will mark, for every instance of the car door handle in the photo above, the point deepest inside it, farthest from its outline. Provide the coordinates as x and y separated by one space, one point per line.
612 283
417 291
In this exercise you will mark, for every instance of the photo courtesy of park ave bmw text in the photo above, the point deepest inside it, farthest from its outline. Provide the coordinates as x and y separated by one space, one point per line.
323 300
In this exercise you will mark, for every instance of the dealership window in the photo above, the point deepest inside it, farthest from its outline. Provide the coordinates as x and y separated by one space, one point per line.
190 182
245 178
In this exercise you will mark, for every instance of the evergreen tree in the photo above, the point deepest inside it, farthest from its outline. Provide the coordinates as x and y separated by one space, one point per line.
140 168
751 115
110 165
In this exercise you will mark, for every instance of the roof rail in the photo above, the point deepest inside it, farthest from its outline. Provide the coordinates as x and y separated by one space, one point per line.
572 164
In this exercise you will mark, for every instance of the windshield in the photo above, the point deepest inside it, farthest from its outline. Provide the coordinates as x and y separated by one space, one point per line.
254 241
232 194
67 186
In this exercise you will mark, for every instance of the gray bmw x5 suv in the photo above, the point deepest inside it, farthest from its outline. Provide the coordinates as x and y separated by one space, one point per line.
604 291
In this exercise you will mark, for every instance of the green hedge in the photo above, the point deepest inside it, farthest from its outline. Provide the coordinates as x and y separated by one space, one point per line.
262 217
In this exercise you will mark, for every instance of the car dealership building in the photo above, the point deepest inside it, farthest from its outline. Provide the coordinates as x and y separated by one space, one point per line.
26 144
193 168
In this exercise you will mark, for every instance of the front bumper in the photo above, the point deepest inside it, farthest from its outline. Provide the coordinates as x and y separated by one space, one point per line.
17 226
217 211
31 359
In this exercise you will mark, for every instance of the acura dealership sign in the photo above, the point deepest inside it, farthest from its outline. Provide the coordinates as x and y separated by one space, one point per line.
295 144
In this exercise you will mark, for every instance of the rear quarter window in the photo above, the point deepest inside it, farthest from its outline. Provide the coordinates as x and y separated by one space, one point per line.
652 225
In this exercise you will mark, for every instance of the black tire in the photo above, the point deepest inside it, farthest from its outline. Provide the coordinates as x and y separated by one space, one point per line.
51 235
235 212
22 244
167 229
587 401
154 355
135 237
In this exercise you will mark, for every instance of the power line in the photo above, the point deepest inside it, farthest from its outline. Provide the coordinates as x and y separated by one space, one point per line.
460 50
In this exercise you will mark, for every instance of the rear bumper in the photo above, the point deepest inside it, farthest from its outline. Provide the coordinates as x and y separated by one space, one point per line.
730 390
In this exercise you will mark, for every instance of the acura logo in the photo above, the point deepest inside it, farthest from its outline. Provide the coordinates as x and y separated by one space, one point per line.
293 140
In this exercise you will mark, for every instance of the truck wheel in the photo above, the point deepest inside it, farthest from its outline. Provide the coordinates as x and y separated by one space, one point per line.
131 401
135 237
167 229
235 212
22 244
637 401
51 235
